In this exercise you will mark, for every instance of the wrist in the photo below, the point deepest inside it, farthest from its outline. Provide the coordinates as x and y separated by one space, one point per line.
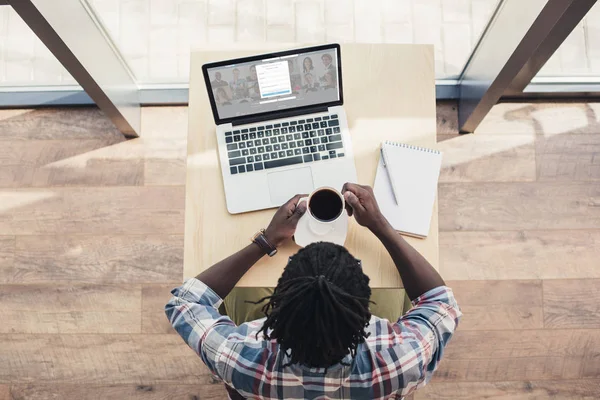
272 238
258 248
381 227
262 240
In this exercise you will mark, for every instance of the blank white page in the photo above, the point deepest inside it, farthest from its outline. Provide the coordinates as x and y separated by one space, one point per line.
415 171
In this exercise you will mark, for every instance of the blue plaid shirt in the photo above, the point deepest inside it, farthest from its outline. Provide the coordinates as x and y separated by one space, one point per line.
395 359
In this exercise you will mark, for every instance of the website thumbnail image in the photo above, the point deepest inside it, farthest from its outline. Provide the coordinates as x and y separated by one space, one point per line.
284 82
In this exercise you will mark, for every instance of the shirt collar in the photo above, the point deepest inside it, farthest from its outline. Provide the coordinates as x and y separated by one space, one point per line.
347 360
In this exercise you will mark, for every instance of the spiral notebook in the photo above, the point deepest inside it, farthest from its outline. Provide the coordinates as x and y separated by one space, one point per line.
412 173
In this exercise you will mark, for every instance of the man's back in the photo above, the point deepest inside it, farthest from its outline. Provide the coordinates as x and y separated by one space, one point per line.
394 359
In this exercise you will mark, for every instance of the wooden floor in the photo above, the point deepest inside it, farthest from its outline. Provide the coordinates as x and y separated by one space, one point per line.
91 242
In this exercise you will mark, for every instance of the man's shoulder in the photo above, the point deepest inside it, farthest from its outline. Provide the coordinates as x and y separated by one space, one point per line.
379 327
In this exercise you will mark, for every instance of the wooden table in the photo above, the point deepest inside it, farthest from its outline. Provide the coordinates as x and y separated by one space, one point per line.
389 94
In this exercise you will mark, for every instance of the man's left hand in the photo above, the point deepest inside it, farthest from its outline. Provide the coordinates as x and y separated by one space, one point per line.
283 224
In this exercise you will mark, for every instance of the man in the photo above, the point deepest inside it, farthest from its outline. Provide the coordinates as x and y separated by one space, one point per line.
319 339
252 83
217 82
328 81
329 69
327 62
238 85
311 85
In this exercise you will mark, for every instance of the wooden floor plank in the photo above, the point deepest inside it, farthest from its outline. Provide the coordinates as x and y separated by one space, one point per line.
485 345
7 252
86 170
568 167
57 124
488 158
160 171
165 122
503 369
493 305
572 303
165 131
98 359
541 119
522 355
205 389
559 118
443 138
447 117
568 157
572 143
165 161
5 393
582 389
110 210
520 255
513 118
16 176
78 308
516 206
154 299
35 153
41 163
96 259
153 161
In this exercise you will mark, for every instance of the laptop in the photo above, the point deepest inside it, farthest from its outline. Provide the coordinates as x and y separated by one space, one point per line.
281 128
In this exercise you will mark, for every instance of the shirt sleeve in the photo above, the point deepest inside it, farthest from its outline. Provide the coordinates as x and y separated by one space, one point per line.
426 329
193 312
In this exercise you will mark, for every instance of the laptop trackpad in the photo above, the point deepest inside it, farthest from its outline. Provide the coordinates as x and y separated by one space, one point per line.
286 184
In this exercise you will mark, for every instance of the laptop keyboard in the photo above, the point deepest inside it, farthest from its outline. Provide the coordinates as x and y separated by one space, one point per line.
296 141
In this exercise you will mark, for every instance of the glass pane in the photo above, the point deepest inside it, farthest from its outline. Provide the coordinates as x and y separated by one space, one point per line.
155 36
24 59
579 54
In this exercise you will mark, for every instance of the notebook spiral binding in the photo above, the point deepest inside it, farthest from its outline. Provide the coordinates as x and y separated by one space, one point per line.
412 147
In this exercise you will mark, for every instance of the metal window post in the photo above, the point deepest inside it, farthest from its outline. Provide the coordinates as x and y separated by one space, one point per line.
70 31
519 39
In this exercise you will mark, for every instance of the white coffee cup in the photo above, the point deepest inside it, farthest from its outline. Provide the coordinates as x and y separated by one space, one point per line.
323 210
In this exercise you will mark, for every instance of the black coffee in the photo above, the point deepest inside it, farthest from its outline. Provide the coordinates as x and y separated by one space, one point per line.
325 205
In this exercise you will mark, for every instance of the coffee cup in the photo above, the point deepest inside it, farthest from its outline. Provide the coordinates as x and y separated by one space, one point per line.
324 207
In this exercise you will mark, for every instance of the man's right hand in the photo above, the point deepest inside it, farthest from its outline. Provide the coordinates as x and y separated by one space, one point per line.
360 202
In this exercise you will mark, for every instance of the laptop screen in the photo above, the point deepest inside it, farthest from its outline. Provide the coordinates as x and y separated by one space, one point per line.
275 83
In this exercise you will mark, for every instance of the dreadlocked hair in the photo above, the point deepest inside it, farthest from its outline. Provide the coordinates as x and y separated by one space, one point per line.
320 308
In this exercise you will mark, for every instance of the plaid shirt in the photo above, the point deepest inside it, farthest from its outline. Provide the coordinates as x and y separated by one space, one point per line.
395 359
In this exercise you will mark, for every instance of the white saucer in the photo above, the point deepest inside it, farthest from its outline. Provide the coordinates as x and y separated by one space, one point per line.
305 235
